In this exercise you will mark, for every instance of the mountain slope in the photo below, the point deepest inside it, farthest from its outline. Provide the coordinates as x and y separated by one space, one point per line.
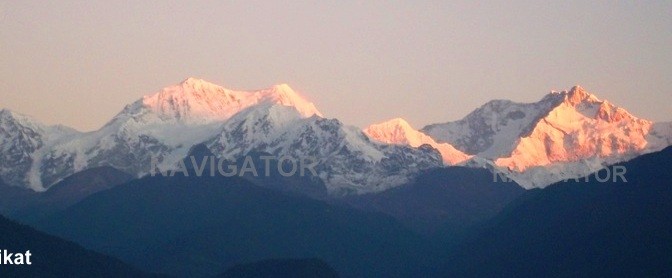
581 228
22 142
443 203
197 101
54 257
346 160
398 131
201 226
14 199
29 206
491 130
565 135
581 126
282 268
165 125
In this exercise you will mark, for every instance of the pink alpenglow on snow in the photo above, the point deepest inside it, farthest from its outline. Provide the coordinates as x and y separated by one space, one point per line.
198 101
398 131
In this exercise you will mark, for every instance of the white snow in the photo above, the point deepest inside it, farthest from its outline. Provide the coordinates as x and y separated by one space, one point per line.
580 127
171 120
196 101
399 131
565 135
348 161
490 130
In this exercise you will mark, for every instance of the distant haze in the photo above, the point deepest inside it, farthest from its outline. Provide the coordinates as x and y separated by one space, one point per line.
79 62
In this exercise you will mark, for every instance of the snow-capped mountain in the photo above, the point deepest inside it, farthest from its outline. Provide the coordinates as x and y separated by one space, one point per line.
398 131
196 101
22 142
565 135
492 130
165 125
347 161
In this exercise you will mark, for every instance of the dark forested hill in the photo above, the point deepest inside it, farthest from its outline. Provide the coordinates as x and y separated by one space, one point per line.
55 257
201 226
581 228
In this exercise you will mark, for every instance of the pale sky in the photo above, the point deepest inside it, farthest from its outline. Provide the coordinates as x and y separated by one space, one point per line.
79 63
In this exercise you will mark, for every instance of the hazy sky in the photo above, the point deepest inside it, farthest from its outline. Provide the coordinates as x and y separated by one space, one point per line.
79 62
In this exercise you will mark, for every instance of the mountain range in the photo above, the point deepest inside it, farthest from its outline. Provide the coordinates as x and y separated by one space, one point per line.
565 135
167 124
387 200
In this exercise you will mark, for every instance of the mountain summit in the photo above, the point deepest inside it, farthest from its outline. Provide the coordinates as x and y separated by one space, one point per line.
164 124
22 142
565 134
198 101
577 95
398 131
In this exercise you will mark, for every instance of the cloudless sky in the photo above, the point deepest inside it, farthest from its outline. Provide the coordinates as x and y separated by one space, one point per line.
80 62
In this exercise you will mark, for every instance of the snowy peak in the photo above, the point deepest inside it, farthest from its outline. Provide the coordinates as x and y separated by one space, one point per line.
196 101
285 95
7 116
580 127
20 138
494 129
610 113
347 161
553 138
491 130
192 100
577 137
20 135
283 89
591 106
22 141
27 123
398 131
564 135
193 84
394 131
578 95
164 124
